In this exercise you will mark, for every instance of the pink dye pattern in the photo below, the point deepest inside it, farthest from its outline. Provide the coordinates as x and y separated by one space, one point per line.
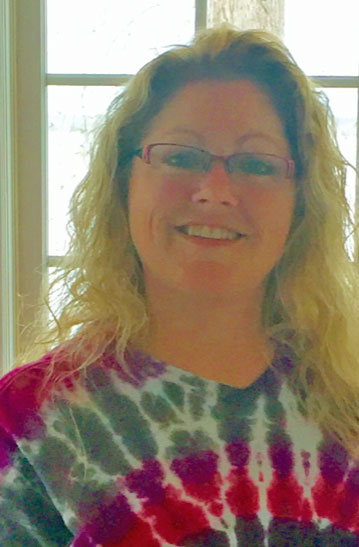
328 489
22 395
172 517
23 391
115 524
243 494
285 497
307 511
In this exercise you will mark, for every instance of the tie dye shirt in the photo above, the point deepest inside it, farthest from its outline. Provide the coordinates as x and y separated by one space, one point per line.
151 455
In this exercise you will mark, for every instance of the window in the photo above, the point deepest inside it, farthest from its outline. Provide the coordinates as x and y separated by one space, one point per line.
92 50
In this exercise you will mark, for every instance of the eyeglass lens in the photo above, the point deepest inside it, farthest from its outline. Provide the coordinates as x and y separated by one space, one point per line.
185 159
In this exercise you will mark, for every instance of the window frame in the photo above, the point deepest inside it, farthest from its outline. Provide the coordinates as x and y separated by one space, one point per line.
7 190
23 113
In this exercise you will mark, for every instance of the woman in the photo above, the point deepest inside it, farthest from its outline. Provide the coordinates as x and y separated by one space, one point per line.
201 382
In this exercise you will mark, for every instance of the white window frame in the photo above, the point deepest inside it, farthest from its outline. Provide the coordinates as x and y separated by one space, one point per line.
23 114
7 190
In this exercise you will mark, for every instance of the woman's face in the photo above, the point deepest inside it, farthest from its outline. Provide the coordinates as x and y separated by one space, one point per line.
222 117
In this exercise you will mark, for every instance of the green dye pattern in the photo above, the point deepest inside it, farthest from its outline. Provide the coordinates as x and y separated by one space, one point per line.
250 532
234 413
235 428
55 460
186 444
98 443
158 409
278 436
18 537
275 417
63 423
88 496
240 400
54 455
274 410
75 423
206 538
30 492
175 394
197 396
128 421
70 478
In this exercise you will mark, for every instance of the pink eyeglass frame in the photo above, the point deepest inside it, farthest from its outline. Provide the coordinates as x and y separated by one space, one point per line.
145 153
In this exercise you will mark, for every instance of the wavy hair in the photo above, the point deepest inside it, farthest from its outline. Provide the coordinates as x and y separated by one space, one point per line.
311 297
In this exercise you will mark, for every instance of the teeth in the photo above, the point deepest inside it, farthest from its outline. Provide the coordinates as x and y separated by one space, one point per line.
206 231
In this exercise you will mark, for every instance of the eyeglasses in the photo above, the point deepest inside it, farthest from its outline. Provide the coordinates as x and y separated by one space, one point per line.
183 161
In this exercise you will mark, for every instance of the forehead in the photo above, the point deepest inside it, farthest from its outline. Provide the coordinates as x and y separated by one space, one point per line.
215 109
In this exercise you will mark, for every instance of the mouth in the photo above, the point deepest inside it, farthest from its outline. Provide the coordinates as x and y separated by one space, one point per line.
209 235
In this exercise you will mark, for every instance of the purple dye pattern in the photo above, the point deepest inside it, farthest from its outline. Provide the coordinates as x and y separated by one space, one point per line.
147 482
7 447
281 455
238 453
306 462
112 519
197 468
141 367
333 462
352 483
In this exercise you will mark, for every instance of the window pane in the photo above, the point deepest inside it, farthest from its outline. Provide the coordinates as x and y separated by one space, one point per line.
112 36
344 104
322 35
73 112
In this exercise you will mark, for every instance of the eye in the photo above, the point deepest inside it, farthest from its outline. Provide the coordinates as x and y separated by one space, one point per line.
191 160
252 164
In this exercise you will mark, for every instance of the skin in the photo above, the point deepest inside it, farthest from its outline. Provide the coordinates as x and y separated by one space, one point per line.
205 302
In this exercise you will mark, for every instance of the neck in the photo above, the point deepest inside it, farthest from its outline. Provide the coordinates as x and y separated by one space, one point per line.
209 335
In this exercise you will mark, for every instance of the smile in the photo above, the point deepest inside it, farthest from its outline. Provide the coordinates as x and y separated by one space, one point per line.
209 233
208 241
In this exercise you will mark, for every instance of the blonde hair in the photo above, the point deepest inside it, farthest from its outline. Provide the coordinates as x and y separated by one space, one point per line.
311 299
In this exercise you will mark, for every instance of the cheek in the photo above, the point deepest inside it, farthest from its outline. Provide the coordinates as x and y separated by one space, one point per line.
273 211
171 195
167 202
152 208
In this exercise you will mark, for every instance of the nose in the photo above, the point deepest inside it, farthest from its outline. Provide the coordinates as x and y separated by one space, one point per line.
216 186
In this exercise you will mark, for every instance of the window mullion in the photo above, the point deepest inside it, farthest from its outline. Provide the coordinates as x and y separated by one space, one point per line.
88 79
201 15
122 79
31 154
356 241
7 192
336 81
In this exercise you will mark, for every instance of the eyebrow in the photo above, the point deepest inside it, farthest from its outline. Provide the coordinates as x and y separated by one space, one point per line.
240 140
184 131
263 136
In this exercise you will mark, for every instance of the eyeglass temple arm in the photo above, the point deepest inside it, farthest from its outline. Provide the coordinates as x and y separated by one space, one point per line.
290 168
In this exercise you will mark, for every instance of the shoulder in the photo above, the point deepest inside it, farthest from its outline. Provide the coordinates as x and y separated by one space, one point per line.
27 391
22 394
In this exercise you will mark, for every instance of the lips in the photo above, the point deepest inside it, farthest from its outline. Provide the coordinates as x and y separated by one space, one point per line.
206 232
212 226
